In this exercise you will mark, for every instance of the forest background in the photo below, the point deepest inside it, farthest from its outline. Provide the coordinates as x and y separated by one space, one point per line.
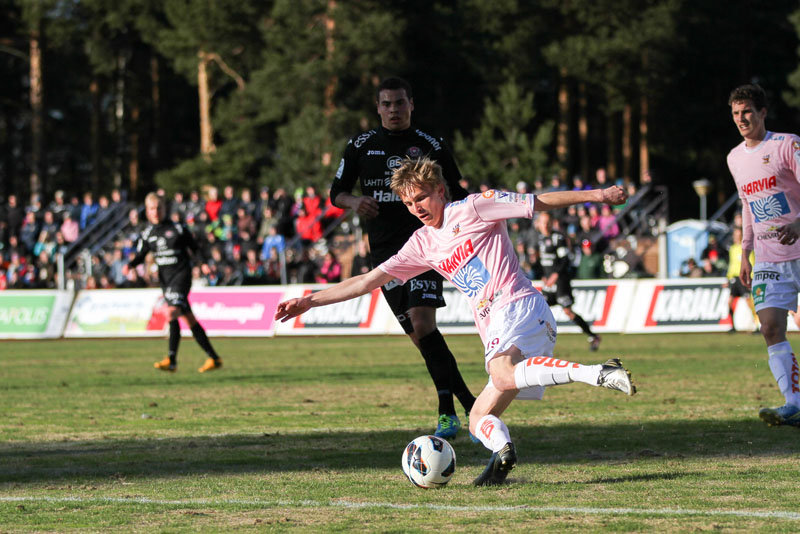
137 94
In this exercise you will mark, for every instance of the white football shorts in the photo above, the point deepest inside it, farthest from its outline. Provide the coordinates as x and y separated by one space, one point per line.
776 284
528 324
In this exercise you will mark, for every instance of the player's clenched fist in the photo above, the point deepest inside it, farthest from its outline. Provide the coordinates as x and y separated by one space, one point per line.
291 308
614 195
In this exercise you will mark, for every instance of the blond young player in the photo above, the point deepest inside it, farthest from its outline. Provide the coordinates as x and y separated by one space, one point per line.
766 169
467 242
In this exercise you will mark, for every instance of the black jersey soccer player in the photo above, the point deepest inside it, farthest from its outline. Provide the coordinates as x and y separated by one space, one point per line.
172 245
369 160
557 280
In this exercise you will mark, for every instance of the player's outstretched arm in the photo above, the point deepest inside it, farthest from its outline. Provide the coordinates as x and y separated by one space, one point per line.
349 289
613 195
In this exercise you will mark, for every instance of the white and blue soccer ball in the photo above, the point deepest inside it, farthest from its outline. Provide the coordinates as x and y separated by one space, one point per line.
429 462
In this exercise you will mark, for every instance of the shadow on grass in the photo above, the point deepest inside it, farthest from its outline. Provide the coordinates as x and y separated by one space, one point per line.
57 462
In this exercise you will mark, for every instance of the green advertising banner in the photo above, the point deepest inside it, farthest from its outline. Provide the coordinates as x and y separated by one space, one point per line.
28 314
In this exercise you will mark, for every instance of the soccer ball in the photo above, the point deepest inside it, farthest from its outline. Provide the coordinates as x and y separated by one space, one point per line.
429 462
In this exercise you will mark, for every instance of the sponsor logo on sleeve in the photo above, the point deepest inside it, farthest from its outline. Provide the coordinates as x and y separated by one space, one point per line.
489 193
509 198
340 170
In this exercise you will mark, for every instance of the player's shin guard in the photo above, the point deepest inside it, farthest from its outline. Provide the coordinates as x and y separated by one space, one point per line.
493 433
202 339
549 371
438 361
174 340
783 365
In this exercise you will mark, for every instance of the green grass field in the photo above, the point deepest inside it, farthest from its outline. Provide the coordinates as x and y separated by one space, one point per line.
306 434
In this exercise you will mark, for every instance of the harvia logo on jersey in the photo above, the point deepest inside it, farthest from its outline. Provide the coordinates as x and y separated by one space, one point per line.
472 277
768 208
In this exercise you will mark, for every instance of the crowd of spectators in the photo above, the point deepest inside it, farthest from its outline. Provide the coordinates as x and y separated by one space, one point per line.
246 240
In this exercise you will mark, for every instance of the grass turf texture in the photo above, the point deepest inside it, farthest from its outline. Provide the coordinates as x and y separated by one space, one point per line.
305 435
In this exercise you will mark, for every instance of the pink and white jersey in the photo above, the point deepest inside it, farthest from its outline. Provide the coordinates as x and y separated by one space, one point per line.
767 178
473 251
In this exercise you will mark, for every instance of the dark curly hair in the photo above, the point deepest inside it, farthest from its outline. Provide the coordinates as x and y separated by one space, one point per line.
752 92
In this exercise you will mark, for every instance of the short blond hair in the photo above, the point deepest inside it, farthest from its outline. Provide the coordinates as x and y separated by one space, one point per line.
152 197
418 172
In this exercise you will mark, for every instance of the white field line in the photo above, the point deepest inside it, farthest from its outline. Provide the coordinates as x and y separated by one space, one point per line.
255 503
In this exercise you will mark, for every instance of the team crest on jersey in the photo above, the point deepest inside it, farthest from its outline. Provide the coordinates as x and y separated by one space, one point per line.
472 277
768 208
765 159
414 152
456 229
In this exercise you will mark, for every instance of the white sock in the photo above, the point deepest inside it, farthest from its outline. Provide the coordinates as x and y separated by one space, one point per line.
549 371
493 433
783 365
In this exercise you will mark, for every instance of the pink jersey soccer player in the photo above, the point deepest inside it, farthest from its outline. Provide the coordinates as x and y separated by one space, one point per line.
467 242
766 169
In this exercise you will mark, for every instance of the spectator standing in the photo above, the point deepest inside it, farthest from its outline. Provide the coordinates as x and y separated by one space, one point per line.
58 206
330 271
590 266
70 228
15 215
361 261
213 204
229 202
88 211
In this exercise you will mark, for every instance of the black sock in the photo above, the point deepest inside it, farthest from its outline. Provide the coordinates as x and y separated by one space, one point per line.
443 369
730 310
202 340
578 320
174 340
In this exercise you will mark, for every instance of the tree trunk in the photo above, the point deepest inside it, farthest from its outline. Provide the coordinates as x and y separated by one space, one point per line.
37 111
95 121
611 148
644 151
206 129
583 131
156 149
119 115
627 150
562 138
133 160
330 88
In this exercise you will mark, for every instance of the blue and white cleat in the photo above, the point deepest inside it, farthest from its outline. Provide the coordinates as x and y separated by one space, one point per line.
448 426
788 414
